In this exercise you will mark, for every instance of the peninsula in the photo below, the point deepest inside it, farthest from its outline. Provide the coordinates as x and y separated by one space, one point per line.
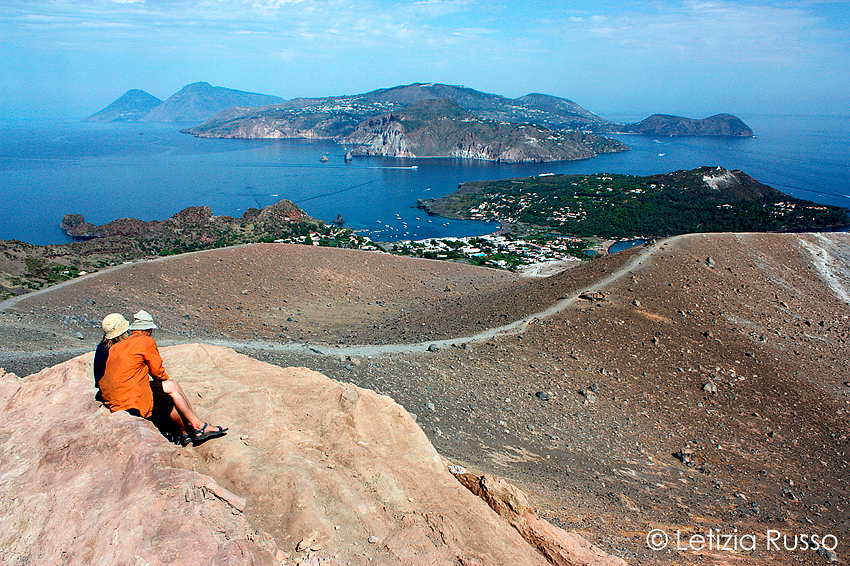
707 199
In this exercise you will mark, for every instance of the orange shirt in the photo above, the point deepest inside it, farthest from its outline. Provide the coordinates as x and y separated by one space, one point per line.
125 384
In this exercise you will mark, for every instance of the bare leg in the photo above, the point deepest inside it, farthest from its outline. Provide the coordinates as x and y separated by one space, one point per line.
182 413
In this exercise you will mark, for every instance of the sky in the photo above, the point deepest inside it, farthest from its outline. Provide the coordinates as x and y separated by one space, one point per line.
695 58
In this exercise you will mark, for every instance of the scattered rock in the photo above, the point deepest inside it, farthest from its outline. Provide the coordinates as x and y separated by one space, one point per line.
433 348
829 554
307 543
543 395
80 336
588 394
592 296
685 456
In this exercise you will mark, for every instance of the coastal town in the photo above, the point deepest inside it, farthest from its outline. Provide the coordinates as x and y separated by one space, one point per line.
490 250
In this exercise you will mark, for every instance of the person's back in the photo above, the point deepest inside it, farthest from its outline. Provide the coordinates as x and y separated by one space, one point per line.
125 383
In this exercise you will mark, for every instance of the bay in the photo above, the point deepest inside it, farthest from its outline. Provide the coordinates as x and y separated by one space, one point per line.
152 171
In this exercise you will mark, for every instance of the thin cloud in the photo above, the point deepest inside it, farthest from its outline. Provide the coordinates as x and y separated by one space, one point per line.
596 47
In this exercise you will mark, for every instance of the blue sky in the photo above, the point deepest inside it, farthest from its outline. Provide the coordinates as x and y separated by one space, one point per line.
693 58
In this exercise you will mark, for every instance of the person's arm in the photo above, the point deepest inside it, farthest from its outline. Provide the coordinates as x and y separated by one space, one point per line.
154 361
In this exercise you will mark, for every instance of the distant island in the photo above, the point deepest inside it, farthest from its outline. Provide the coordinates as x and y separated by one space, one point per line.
132 106
707 199
193 103
666 125
415 120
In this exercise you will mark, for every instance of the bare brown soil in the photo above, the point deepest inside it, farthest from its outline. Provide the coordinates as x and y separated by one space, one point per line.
705 391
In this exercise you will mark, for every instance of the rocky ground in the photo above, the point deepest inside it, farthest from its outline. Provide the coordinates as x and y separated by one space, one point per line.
707 389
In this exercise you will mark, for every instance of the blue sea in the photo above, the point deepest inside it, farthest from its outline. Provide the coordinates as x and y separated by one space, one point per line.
151 171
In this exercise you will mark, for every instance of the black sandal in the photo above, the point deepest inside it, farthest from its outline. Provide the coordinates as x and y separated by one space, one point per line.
202 434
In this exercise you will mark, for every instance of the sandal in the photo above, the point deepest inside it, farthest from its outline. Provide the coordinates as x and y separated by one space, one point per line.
202 434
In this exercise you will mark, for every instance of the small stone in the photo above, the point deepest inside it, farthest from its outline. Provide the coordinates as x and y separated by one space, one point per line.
374 540
543 395
430 406
307 542
80 336
433 348
589 396
636 303
710 388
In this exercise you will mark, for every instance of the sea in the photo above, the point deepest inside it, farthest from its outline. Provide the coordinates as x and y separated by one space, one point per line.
151 171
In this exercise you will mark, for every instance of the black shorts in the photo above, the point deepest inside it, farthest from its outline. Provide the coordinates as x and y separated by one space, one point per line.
163 404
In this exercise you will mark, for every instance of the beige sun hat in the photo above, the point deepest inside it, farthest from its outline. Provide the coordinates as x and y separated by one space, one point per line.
114 325
142 320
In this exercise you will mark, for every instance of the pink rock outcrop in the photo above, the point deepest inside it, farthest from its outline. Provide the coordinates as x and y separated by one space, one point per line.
312 471
560 547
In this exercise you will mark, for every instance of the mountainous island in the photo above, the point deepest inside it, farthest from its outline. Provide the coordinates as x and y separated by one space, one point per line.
707 199
666 125
390 121
132 106
195 102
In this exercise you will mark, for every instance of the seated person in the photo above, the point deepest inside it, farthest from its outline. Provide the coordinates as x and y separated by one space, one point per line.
126 385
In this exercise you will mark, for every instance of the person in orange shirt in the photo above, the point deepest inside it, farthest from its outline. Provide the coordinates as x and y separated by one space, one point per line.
126 385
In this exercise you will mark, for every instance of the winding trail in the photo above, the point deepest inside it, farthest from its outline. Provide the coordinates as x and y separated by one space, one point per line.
512 329
365 350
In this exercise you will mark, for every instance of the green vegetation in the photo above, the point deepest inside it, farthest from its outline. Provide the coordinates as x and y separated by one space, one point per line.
622 206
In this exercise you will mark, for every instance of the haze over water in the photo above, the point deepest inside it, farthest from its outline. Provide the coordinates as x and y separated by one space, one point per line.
151 171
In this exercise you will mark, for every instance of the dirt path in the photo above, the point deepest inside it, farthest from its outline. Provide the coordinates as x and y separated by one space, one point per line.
514 328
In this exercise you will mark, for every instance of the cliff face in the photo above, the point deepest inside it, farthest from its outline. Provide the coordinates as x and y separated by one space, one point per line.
311 469
441 128
277 123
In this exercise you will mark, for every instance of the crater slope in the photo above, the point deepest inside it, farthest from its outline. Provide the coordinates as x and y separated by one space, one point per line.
703 387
